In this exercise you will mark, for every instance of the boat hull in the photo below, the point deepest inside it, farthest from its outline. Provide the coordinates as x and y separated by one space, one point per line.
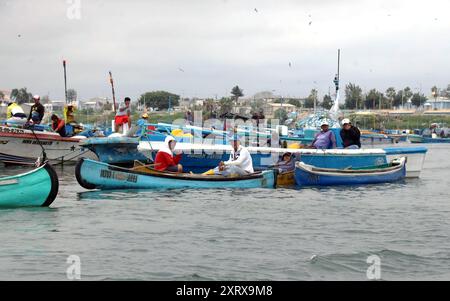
21 146
307 175
35 188
97 175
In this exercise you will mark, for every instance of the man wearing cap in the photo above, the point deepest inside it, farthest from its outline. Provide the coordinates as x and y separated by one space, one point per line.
240 162
325 139
37 110
350 135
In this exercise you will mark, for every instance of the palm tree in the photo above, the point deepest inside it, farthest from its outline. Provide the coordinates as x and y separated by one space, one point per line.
390 93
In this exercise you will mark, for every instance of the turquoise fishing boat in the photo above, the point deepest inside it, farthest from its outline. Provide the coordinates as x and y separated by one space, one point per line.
38 187
97 175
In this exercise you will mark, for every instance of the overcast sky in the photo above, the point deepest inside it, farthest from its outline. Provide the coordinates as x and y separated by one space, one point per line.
204 47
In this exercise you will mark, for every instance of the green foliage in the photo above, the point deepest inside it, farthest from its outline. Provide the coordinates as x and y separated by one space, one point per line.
237 92
311 99
225 105
295 102
281 115
21 95
159 99
373 99
390 93
327 102
257 106
353 96
418 99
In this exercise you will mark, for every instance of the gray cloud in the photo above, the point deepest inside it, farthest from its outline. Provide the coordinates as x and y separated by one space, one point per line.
219 44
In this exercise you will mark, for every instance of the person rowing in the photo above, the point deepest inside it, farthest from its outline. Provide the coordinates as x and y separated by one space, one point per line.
165 159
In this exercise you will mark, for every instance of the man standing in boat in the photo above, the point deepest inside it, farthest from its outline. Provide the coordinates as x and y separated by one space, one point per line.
350 135
123 115
37 111
240 162
325 139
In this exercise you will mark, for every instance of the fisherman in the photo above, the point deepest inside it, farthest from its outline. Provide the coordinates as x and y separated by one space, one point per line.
325 139
286 163
240 162
350 135
15 114
37 111
58 125
123 115
165 159
141 123
69 115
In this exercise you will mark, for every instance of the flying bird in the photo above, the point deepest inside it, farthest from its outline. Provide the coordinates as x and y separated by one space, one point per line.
19 35
290 64
256 10
181 69
310 22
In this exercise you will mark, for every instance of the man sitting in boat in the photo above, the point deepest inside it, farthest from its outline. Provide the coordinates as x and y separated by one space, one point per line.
325 139
350 135
165 159
15 115
240 162
58 125
286 163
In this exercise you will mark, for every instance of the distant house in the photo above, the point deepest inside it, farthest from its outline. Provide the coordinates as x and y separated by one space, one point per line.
271 108
440 103
95 103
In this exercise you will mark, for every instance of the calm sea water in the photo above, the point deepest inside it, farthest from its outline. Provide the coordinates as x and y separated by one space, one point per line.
308 234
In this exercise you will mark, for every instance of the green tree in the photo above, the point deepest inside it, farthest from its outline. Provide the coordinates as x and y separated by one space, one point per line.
311 99
159 99
295 102
71 95
390 93
21 95
237 92
281 115
225 105
418 99
209 108
353 96
257 106
373 99
327 102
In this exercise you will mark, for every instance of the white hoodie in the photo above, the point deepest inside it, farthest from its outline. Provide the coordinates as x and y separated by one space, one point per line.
241 158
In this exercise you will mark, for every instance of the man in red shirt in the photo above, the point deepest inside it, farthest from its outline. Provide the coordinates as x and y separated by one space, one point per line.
165 159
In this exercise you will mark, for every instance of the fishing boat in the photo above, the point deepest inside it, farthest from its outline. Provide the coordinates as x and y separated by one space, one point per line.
423 139
38 187
92 174
23 146
306 175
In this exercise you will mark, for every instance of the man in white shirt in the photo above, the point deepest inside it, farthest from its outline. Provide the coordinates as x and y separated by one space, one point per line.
240 162
123 115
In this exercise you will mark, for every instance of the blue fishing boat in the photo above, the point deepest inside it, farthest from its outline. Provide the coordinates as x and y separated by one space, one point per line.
97 175
307 175
38 187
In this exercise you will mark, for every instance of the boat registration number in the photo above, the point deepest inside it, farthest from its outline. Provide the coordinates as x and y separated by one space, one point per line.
9 182
120 176
11 130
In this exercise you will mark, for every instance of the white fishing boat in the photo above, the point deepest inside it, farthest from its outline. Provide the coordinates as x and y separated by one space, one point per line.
24 146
